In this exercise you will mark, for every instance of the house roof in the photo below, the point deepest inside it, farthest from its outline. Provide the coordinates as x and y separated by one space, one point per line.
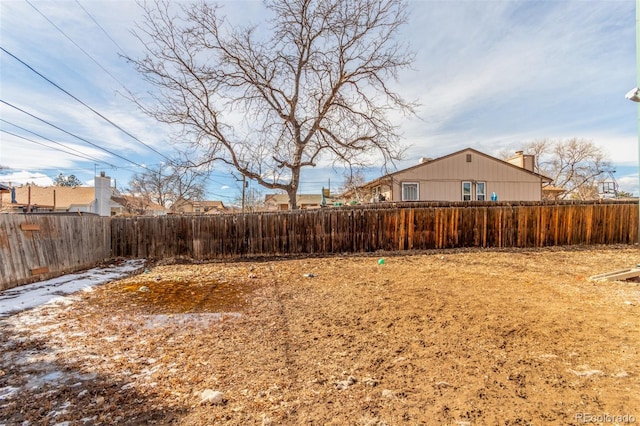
4 188
551 188
65 196
390 175
207 205
300 198
211 204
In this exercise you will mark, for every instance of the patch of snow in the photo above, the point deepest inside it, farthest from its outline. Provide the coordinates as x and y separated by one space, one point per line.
55 290
547 356
62 410
586 373
200 319
7 392
620 375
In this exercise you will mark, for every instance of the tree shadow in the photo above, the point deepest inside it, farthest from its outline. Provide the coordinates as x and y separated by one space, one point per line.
38 387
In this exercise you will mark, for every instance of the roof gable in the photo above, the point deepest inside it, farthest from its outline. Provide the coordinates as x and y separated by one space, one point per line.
462 152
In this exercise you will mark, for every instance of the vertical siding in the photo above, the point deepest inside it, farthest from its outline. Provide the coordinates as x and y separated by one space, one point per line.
61 244
441 180
389 227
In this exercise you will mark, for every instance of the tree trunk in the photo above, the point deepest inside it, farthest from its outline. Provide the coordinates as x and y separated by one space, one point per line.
293 204
292 189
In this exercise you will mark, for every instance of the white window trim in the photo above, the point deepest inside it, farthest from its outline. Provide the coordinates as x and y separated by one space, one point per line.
417 184
484 193
470 190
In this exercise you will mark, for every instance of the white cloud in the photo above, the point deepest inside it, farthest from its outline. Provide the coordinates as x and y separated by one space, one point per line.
629 184
23 177
492 75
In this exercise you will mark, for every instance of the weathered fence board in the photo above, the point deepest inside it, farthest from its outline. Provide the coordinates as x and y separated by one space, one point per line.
34 247
383 227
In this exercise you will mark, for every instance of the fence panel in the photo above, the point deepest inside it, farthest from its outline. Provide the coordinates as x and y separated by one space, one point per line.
381 227
35 247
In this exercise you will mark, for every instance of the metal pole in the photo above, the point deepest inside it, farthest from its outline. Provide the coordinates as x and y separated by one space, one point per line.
638 85
244 185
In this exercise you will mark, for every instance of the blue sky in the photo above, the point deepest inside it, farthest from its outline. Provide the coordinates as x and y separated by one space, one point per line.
491 75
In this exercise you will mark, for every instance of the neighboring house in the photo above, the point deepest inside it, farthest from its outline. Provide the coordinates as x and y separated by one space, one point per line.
33 198
200 207
279 202
127 205
550 192
465 175
51 199
4 189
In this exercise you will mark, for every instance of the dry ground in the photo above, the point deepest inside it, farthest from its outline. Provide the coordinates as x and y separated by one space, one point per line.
469 337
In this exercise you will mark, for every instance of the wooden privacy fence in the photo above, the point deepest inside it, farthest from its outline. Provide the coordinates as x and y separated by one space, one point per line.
407 226
34 247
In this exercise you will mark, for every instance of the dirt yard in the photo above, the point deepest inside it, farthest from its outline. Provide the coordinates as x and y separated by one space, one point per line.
467 337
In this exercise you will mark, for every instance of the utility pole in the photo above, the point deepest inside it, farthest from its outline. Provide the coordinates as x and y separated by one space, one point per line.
634 95
638 85
244 186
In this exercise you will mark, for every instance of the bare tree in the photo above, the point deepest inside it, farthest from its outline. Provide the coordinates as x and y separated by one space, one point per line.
169 186
575 165
352 185
315 87
253 200
134 205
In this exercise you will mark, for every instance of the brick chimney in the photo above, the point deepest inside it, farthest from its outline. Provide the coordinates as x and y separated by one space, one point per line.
103 194
522 160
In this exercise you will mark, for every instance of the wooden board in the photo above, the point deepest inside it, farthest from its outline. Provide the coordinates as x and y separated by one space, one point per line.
30 226
38 271
619 275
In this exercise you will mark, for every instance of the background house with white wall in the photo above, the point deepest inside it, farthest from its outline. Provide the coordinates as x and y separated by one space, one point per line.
84 199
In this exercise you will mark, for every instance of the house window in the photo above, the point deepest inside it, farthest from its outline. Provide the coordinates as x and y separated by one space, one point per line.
481 193
468 158
410 191
466 191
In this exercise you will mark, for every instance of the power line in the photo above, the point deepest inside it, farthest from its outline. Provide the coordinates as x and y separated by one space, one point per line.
80 153
171 162
71 134
218 195
103 30
47 146
75 44
42 169
84 104
97 63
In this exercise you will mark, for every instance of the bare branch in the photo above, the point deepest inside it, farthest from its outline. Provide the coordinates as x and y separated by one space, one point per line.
574 165
316 88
